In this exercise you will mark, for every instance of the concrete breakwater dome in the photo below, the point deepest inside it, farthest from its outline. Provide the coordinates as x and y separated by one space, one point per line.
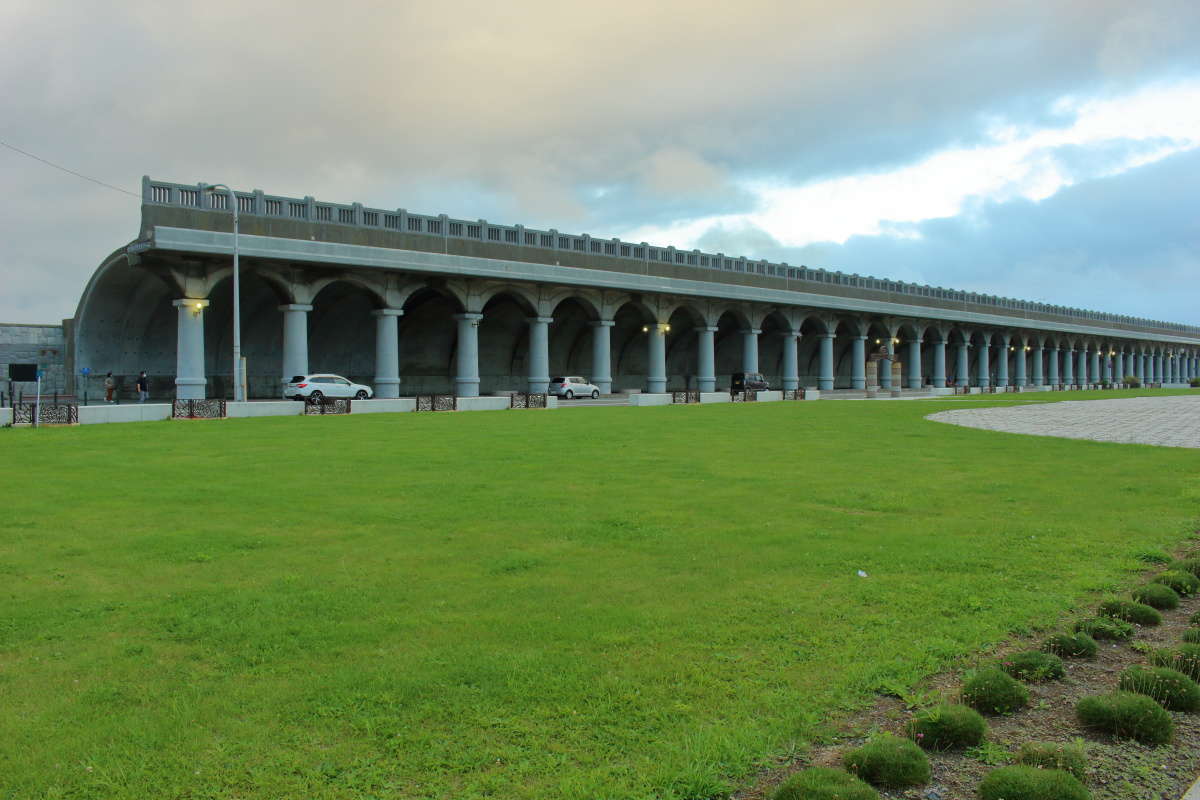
413 303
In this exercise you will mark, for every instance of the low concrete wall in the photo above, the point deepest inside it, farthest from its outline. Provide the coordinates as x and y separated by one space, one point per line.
714 397
644 399
483 403
5 416
128 412
770 396
266 408
383 405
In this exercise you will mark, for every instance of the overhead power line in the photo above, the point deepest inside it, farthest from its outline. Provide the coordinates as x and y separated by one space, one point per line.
69 171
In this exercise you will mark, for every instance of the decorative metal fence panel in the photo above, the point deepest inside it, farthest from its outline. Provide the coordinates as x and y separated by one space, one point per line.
436 402
198 409
743 397
793 394
1012 388
527 400
961 389
47 413
328 405
685 395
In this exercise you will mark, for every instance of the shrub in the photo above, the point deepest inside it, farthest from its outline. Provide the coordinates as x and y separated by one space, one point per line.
1055 755
1152 556
1127 716
1130 612
1183 582
821 783
1185 659
1031 783
1194 383
1132 381
1105 628
1078 645
1033 665
947 727
889 761
993 691
1157 595
1194 619
1191 565
1192 636
1172 689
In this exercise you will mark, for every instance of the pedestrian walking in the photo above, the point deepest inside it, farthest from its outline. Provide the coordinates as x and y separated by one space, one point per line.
143 387
109 386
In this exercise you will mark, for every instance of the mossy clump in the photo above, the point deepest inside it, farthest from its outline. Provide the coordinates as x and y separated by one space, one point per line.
993 691
1033 665
889 761
1170 688
1137 613
1127 716
1105 628
947 727
1185 659
1071 645
1156 595
1152 556
822 783
1055 755
1031 783
1191 565
1183 582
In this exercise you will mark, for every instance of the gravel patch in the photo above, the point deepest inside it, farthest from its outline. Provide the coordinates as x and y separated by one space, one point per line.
1163 421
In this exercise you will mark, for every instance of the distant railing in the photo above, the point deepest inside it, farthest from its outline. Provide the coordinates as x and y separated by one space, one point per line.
198 409
402 221
685 395
527 400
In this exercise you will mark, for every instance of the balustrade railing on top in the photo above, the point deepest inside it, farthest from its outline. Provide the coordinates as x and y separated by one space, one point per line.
403 221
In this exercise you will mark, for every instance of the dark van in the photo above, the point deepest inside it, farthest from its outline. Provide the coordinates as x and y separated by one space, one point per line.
748 382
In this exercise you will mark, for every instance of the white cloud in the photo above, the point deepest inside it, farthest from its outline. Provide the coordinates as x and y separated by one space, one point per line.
1147 126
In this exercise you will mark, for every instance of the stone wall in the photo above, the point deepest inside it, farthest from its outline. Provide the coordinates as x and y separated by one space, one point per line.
44 345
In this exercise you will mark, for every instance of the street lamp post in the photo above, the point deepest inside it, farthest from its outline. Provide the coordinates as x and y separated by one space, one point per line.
238 388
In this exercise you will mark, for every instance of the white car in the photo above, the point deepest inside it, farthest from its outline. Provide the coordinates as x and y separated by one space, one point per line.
314 387
572 387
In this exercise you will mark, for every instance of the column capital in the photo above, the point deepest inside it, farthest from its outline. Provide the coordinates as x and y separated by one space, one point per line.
752 331
602 323
543 320
295 307
942 342
707 329
788 334
828 335
388 312
470 316
194 303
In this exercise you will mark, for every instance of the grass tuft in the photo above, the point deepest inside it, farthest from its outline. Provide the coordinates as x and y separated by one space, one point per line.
1071 757
1185 659
822 783
1185 583
947 727
1031 783
1137 613
993 691
1071 645
1105 628
1156 595
1126 715
1170 688
1033 665
889 761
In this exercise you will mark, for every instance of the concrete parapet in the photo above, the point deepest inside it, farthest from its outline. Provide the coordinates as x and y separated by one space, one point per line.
5 416
129 412
270 408
483 403
383 405
714 397
647 399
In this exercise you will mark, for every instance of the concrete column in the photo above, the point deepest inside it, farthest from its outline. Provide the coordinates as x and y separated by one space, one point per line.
939 364
750 350
1119 367
539 354
1068 367
1054 378
1038 367
1019 368
964 364
985 375
1155 368
706 369
1002 361
466 381
190 381
791 361
914 364
295 339
885 367
858 362
1140 365
602 355
656 378
825 382
387 351
1094 370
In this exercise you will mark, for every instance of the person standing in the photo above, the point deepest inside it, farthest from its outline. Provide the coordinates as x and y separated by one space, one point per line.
143 387
109 386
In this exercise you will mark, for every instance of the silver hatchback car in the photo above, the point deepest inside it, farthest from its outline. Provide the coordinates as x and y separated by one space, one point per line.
573 386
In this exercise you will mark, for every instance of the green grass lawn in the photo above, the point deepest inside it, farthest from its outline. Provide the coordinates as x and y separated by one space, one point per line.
605 603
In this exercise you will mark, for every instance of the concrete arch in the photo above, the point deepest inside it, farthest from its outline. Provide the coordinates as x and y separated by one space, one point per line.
313 289
523 296
586 300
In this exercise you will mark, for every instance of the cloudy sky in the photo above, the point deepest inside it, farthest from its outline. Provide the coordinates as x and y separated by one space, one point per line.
1043 150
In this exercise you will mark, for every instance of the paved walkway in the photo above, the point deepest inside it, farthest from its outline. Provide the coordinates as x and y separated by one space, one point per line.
1164 421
